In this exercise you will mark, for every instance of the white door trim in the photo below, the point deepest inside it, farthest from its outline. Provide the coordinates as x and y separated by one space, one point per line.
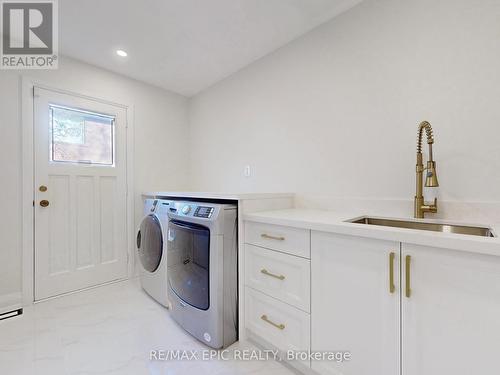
27 132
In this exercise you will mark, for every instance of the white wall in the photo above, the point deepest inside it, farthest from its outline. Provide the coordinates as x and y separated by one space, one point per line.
333 113
336 111
160 140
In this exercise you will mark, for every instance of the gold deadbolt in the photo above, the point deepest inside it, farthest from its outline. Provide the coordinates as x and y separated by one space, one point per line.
44 203
42 188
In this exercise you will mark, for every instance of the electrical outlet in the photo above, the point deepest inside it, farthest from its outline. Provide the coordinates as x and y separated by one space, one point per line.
247 172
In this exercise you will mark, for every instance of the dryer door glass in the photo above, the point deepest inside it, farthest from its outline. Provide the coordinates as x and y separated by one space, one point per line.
150 243
188 255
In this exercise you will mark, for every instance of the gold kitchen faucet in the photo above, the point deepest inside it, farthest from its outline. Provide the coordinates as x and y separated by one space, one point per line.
431 178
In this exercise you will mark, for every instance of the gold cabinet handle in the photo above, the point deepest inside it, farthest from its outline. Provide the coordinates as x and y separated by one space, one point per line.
266 319
408 276
269 237
44 203
266 272
392 287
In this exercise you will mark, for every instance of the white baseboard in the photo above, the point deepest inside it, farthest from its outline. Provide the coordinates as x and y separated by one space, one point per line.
9 302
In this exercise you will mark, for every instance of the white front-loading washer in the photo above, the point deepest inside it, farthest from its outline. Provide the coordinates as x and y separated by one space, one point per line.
152 249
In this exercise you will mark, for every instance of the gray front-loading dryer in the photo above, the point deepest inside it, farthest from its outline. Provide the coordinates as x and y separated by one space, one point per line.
202 269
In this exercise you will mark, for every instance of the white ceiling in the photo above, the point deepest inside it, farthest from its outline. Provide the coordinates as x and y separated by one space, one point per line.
185 45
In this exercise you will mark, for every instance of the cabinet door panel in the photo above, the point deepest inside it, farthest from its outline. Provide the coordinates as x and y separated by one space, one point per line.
352 308
451 322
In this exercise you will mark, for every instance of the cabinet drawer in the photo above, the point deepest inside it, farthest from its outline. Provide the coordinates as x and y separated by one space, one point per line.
287 239
282 276
282 325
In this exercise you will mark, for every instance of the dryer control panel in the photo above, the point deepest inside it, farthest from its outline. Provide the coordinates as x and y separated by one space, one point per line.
202 211
191 209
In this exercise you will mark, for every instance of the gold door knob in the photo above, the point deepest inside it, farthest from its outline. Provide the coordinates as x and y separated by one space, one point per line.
44 203
42 188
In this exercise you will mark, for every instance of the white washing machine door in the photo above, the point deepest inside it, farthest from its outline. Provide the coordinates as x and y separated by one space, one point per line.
150 243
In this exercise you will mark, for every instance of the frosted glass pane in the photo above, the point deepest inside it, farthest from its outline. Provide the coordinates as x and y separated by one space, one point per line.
81 137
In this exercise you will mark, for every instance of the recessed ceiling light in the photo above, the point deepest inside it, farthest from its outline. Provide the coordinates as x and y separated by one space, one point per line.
121 53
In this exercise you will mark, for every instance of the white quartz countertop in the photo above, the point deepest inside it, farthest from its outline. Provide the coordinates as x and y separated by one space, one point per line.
335 222
213 195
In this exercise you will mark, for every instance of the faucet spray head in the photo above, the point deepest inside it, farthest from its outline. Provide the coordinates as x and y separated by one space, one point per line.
431 178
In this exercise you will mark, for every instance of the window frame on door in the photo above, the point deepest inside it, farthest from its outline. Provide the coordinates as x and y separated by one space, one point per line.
28 85
84 125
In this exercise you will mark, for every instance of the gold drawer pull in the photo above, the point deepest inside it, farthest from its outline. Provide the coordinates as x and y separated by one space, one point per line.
269 237
392 287
266 272
279 326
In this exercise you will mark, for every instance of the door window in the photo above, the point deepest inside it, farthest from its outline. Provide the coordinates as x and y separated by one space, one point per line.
150 243
81 137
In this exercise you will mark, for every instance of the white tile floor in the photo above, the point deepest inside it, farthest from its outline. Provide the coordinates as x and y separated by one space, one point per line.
107 330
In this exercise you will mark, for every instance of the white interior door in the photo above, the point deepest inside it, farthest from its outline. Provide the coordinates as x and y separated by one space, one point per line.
80 193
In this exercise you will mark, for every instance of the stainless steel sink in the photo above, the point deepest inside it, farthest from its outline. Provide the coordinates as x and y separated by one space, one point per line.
435 227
